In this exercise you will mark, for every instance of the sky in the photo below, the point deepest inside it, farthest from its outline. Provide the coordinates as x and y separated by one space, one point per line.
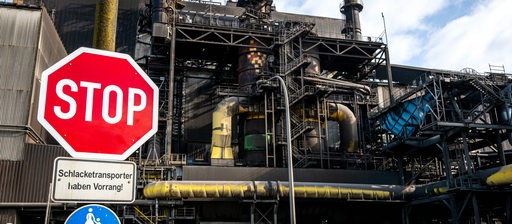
438 34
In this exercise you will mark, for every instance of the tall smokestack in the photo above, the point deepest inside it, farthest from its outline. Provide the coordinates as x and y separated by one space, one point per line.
159 18
351 10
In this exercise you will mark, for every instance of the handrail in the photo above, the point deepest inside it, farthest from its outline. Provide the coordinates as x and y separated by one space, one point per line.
143 215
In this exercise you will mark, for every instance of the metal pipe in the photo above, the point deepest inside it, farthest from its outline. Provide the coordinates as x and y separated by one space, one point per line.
48 205
421 191
499 176
335 82
388 63
390 76
160 202
105 25
347 122
222 152
170 114
501 151
156 210
272 189
23 128
289 147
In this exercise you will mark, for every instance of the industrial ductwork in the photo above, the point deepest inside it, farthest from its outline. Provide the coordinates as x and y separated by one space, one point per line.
159 18
221 151
348 125
270 189
172 190
338 84
498 176
405 119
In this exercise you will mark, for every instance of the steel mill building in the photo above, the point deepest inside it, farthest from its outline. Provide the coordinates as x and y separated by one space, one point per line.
241 86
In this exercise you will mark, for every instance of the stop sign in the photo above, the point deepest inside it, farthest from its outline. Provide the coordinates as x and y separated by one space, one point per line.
98 104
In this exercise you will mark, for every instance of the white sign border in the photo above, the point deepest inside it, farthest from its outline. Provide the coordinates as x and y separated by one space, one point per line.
60 139
82 207
54 179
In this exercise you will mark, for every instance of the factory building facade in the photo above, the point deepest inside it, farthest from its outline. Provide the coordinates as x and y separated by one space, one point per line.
241 87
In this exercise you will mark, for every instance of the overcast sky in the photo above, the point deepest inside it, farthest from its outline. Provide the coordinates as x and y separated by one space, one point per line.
440 34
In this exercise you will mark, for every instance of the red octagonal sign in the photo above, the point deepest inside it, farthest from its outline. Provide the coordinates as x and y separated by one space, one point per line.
98 104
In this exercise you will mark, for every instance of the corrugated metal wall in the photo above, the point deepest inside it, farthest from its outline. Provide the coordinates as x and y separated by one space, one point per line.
10 175
49 51
28 45
28 180
19 35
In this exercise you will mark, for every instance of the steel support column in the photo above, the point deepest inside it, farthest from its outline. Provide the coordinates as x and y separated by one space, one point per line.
468 163
390 76
499 145
476 211
507 209
170 107
452 206
446 160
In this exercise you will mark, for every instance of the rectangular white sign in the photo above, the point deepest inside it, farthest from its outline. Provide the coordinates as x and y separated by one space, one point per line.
93 181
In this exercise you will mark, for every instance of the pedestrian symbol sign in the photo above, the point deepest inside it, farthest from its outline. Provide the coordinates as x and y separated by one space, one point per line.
93 214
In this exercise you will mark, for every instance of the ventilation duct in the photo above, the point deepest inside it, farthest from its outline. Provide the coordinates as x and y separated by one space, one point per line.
222 151
348 125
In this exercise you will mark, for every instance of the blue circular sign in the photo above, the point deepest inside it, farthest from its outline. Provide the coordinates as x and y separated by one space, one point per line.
93 214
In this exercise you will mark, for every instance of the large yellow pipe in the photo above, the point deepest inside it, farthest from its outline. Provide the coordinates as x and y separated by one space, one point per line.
503 176
222 152
105 25
266 189
347 121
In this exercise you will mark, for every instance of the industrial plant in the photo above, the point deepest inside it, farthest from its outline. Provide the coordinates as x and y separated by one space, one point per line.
264 117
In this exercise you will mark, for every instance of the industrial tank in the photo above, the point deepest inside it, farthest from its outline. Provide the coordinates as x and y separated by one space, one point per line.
252 61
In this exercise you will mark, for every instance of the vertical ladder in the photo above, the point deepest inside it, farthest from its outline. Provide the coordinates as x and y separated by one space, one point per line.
270 144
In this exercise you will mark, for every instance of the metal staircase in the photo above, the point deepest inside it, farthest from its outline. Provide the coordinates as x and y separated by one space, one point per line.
487 88
491 96
298 126
286 34
300 154
301 93
135 215
293 65
292 61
